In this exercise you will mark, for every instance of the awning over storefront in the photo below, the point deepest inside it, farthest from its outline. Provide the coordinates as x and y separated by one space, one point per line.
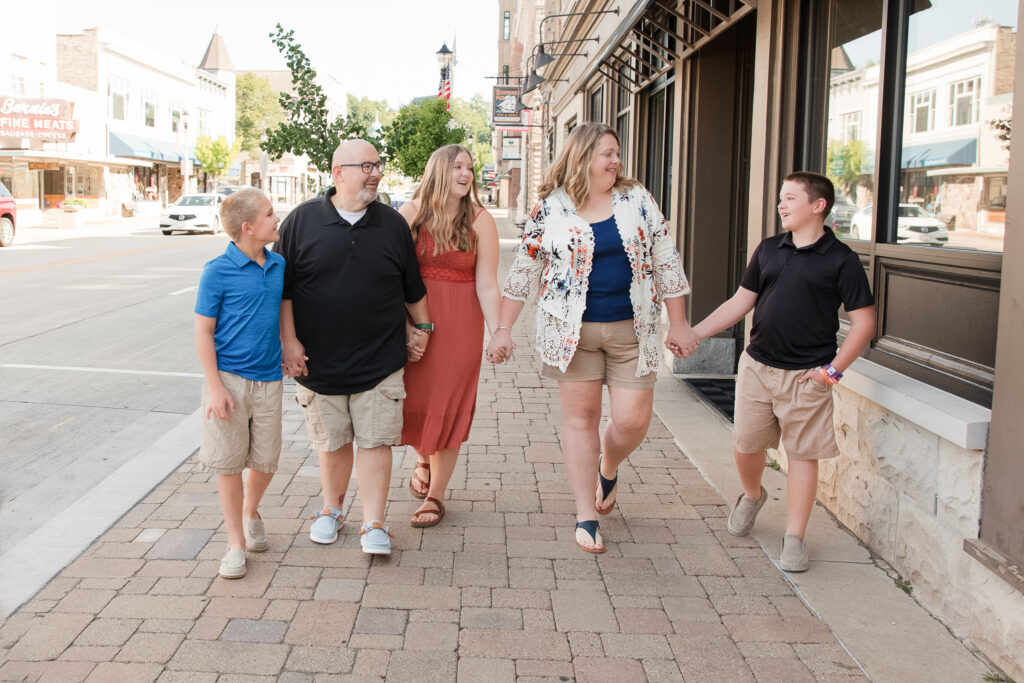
949 153
125 145
67 158
655 33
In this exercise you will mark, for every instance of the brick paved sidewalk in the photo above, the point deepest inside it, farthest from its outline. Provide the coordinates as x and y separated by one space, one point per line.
498 591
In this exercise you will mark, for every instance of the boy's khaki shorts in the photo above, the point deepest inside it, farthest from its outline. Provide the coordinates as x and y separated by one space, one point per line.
251 436
608 352
771 403
369 419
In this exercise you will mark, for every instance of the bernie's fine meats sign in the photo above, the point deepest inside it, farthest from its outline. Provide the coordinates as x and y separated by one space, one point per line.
37 119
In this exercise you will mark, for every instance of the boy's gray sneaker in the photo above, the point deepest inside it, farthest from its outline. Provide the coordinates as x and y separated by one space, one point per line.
794 557
741 519
255 536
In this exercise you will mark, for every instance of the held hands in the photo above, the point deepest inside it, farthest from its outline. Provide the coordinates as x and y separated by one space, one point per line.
295 358
501 346
415 342
220 403
682 341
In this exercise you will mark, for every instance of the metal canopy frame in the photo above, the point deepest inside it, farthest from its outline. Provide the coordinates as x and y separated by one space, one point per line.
637 48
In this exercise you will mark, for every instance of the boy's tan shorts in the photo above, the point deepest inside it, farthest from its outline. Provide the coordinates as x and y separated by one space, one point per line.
369 419
251 436
771 403
608 352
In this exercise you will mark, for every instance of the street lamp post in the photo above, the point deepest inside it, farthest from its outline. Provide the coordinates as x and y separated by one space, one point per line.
445 57
186 158
264 164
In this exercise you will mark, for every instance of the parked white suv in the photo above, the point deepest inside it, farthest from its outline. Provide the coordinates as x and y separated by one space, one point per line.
193 213
914 225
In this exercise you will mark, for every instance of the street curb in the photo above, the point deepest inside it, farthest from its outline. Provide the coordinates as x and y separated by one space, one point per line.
31 564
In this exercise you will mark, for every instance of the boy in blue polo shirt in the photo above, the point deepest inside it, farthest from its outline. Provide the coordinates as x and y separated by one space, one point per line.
239 342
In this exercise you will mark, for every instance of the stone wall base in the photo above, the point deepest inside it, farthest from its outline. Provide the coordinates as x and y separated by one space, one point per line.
913 497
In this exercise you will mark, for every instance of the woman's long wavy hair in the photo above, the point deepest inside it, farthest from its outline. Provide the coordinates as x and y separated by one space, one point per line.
571 170
449 232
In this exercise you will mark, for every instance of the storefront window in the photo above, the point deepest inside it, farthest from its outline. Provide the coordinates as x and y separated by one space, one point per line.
955 156
622 109
659 147
855 48
22 182
117 89
149 108
597 105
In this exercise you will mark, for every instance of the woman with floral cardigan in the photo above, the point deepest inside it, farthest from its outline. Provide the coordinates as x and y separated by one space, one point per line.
600 250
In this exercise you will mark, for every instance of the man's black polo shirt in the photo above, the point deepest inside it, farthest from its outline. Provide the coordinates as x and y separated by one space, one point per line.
799 292
348 285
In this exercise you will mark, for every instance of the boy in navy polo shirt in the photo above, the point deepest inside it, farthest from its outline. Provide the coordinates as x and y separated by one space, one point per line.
795 282
239 342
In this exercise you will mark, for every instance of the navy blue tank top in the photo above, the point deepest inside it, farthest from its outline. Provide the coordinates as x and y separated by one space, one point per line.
610 278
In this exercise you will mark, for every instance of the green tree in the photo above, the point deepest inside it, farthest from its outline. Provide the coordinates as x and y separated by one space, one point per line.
216 155
844 163
363 110
306 128
419 129
1003 130
256 110
474 117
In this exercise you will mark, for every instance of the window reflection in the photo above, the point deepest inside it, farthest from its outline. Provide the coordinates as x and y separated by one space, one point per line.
855 42
959 91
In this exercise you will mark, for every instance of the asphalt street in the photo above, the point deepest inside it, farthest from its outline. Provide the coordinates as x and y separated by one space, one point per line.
97 358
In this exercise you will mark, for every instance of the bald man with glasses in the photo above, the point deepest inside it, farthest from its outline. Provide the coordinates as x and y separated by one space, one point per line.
351 281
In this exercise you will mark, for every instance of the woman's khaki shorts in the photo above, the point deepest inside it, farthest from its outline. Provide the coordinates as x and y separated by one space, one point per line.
251 436
370 418
608 352
770 404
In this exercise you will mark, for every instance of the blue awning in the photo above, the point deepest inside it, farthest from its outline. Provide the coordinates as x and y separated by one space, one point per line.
949 153
125 145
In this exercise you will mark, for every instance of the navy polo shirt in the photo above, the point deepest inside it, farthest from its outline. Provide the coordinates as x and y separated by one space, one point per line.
245 298
610 277
349 285
799 291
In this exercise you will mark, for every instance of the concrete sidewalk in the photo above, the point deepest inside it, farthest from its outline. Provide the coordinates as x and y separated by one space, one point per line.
498 591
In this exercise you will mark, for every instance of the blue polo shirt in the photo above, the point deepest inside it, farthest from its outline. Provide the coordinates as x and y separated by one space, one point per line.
246 301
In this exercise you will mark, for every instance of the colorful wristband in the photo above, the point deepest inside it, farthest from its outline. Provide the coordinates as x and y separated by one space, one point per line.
833 373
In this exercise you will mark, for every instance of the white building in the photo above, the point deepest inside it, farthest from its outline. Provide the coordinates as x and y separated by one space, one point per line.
954 164
127 118
154 108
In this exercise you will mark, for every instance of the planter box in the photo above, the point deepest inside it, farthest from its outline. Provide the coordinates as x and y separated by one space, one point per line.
72 219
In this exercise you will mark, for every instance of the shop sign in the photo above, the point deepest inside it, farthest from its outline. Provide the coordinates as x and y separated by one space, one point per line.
506 111
37 119
43 166
511 149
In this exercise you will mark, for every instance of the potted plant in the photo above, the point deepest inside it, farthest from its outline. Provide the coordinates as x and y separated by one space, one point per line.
73 216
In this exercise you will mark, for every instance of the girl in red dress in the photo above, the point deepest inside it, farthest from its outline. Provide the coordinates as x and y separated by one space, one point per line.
457 247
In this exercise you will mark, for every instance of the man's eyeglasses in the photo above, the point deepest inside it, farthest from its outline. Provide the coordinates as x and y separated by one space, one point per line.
368 166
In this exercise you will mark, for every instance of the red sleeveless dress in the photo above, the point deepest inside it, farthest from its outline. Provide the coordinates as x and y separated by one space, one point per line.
441 387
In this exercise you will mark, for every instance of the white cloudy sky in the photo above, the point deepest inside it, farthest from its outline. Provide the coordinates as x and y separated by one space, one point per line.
382 49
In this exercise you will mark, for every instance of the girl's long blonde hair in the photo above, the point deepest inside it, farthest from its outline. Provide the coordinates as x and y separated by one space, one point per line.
449 232
571 170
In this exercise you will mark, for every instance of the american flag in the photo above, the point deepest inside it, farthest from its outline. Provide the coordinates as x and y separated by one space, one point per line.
444 89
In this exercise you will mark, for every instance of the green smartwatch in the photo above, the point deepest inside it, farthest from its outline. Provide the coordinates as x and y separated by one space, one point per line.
426 327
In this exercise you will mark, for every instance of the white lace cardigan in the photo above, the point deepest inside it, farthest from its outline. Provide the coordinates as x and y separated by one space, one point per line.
558 251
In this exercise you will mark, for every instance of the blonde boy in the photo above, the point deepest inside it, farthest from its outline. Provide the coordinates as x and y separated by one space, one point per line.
795 282
239 342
